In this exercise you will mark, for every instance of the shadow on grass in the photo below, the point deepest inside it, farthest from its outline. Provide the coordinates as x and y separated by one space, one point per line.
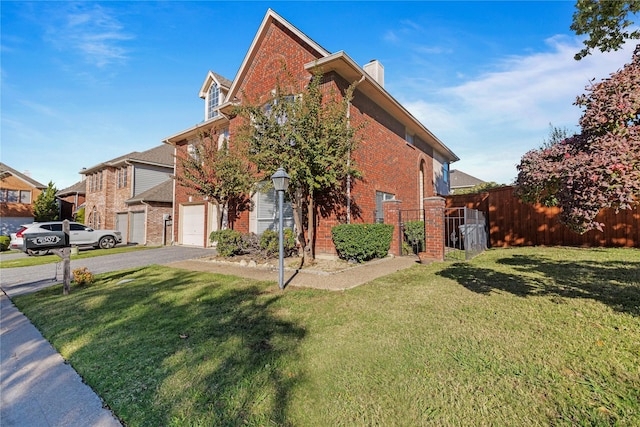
615 283
171 347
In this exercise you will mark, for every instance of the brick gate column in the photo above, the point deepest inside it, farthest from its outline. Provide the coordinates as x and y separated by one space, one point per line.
391 210
434 227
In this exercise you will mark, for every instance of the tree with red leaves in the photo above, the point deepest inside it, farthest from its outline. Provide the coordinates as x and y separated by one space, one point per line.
597 168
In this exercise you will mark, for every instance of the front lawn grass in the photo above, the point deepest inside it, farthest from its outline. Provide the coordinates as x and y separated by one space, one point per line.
517 337
28 261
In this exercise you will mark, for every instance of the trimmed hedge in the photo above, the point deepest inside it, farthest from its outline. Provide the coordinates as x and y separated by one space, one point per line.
231 242
362 242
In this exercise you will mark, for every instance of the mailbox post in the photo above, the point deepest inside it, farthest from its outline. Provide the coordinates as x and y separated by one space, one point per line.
58 243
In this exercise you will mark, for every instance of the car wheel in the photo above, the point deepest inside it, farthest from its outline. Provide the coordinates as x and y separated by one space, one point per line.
31 252
107 242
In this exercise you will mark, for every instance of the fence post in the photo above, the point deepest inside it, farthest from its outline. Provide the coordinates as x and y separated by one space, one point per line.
434 227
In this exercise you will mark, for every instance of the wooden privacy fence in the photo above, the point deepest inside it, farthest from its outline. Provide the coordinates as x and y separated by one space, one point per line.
513 223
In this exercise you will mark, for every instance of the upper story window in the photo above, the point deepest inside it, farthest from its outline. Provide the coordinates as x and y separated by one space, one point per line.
409 138
122 177
445 173
213 99
223 138
15 196
95 181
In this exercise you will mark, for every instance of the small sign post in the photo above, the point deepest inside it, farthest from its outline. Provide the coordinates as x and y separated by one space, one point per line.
58 243
65 254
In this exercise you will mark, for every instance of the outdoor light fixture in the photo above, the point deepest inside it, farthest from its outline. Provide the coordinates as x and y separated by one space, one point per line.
280 180
280 183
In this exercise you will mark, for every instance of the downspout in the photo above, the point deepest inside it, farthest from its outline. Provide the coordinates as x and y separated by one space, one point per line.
349 156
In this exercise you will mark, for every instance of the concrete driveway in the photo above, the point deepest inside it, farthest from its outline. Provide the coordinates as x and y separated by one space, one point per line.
22 280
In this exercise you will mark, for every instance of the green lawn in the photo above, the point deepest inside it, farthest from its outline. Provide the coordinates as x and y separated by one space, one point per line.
516 337
82 253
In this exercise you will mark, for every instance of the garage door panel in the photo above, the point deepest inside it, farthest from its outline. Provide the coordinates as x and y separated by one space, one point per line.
192 225
137 228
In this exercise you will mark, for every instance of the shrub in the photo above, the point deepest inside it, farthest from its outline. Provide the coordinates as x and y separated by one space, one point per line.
269 242
414 235
229 242
82 276
251 244
4 243
362 242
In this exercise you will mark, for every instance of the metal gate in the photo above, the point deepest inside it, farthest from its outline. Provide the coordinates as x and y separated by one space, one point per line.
465 233
412 236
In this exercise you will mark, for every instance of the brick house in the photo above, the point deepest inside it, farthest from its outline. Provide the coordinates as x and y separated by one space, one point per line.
132 194
71 199
462 181
18 191
401 160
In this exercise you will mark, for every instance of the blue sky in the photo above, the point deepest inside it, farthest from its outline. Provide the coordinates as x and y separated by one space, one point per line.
85 82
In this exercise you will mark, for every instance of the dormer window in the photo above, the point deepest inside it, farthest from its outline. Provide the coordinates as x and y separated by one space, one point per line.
213 99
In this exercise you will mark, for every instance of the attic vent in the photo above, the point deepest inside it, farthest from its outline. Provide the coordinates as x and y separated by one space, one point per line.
375 69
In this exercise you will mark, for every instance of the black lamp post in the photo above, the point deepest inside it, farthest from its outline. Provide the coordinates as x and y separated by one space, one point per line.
280 183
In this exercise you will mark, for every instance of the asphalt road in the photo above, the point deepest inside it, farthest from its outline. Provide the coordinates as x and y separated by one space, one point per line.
22 280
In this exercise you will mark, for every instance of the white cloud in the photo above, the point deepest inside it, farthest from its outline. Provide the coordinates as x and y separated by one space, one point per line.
493 118
92 31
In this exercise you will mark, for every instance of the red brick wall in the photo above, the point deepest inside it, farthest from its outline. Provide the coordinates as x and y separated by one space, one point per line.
155 223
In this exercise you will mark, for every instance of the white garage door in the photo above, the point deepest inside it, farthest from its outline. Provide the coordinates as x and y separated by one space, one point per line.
193 226
122 225
136 232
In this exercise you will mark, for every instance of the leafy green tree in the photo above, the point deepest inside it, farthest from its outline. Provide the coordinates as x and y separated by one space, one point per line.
307 132
213 170
45 207
606 22
478 188
80 216
597 168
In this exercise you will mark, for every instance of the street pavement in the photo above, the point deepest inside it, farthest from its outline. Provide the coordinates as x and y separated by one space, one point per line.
37 387
24 280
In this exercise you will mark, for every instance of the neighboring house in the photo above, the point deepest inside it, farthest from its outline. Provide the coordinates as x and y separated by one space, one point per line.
131 194
400 159
461 180
71 199
18 192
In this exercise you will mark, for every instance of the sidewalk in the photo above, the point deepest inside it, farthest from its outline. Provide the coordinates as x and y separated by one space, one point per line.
334 281
38 388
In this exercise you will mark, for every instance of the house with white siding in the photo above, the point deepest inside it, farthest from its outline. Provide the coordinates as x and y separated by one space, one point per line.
132 194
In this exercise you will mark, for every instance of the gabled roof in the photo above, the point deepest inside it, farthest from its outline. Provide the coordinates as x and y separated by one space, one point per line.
224 83
79 187
460 179
269 19
162 155
339 62
7 170
160 193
